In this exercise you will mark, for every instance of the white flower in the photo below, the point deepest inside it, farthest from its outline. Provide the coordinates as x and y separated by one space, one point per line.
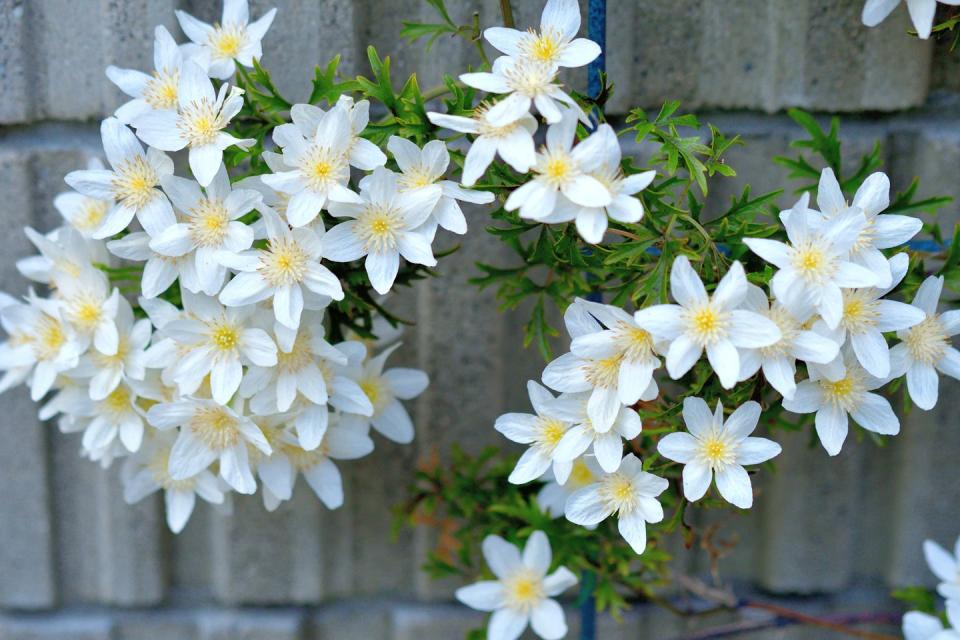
523 592
923 626
40 344
591 220
552 498
925 347
361 153
147 472
945 566
210 227
288 270
623 342
630 493
279 471
714 447
542 432
834 400
90 306
198 123
527 83
425 167
881 231
606 442
157 90
383 227
814 267
714 323
921 13
64 254
106 371
159 271
866 318
235 38
131 184
209 432
564 169
779 360
513 141
215 341
118 416
555 43
385 389
318 166
83 213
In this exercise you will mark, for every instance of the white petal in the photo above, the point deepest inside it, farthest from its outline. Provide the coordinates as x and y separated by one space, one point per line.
696 480
547 620
502 558
832 427
685 285
734 485
923 385
482 596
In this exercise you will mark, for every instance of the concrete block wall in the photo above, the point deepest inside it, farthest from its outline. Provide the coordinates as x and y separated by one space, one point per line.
78 563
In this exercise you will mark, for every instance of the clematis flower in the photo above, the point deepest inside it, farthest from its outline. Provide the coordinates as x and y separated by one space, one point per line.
564 169
386 389
382 227
630 493
552 498
83 213
921 13
711 323
107 371
542 430
211 227
210 432
198 123
90 306
131 184
779 360
925 348
881 231
64 254
813 267
288 270
513 141
556 42
156 90
923 626
606 443
523 591
425 167
718 448
525 83
146 473
235 38
866 317
361 153
834 400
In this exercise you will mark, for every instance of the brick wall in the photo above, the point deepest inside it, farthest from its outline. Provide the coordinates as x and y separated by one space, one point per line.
75 562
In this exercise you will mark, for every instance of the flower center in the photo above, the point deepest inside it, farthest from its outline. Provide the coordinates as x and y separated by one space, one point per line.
813 263
859 311
200 122
227 40
210 223
85 311
302 459
134 182
50 338
284 263
91 214
580 475
117 403
706 325
299 356
542 47
415 179
557 167
161 90
224 336
215 428
844 393
789 328
927 341
378 228
603 373
373 389
321 168
635 343
530 78
116 360
617 491
488 130
549 432
716 450
523 590
866 238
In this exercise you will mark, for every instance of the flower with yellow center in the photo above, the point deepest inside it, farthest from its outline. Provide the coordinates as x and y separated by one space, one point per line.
714 447
556 41
115 416
522 591
135 182
606 442
156 90
543 431
629 493
90 306
234 39
107 371
83 213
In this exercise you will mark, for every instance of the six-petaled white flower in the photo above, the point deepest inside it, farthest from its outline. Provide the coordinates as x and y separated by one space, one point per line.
156 90
235 38
556 42
542 430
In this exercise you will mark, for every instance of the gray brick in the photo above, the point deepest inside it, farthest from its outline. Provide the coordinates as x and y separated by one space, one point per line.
63 627
250 625
350 620
15 101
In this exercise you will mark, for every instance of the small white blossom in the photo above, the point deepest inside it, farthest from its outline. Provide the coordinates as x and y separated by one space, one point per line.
813 267
835 400
90 306
512 141
383 226
83 213
712 323
923 626
542 431
552 498
131 184
606 443
106 371
197 123
714 447
361 153
235 38
64 254
556 42
630 493
385 390
925 348
156 90
523 591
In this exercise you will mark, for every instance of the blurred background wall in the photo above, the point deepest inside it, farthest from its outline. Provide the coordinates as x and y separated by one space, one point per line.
826 534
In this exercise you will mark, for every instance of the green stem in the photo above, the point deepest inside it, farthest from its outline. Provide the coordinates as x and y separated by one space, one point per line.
507 12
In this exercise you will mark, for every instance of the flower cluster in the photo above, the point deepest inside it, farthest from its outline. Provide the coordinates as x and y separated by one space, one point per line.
217 370
919 625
